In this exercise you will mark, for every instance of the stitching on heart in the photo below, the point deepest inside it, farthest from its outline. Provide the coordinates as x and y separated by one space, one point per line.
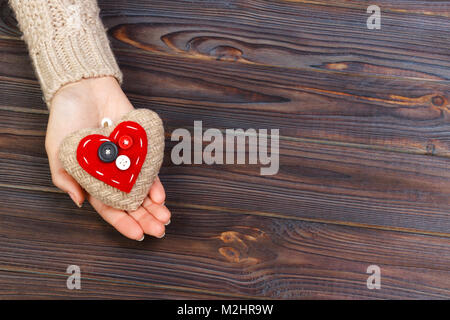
107 194
108 172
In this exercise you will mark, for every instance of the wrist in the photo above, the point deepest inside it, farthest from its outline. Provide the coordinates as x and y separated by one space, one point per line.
100 97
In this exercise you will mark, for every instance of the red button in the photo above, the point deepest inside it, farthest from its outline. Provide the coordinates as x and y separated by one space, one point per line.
125 142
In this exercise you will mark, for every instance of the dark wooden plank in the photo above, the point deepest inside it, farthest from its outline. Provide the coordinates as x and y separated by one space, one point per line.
265 50
285 64
404 115
291 34
26 284
312 34
222 252
316 181
343 98
394 114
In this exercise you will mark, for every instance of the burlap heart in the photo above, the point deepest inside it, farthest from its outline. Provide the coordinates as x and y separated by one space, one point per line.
108 194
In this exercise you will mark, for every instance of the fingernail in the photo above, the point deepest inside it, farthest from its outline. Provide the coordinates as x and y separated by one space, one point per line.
162 236
168 222
73 199
142 238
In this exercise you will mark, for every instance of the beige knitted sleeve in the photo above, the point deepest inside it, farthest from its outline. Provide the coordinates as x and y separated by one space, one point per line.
66 41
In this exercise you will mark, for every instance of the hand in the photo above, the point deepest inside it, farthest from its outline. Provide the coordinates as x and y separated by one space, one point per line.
83 105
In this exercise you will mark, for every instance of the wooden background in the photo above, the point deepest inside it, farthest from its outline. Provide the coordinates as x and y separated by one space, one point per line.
364 155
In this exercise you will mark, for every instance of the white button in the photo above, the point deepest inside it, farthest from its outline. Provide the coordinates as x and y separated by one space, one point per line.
123 162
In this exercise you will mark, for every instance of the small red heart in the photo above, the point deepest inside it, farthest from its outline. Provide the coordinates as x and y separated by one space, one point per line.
123 180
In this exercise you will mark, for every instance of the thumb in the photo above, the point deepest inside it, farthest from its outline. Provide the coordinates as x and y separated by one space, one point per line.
66 183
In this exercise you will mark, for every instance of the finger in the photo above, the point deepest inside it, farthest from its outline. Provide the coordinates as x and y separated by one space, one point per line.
119 219
159 211
65 182
62 179
148 223
157 193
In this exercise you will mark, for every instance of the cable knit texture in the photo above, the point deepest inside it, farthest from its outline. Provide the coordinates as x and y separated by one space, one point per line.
66 40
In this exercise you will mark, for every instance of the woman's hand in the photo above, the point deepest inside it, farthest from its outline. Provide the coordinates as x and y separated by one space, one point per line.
83 105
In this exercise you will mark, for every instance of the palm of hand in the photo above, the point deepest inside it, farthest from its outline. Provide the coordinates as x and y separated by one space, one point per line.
83 105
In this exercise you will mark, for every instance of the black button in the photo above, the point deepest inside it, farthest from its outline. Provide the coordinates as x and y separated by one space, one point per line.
108 151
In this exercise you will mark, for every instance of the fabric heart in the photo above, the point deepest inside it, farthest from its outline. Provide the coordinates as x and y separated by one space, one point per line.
138 138
108 172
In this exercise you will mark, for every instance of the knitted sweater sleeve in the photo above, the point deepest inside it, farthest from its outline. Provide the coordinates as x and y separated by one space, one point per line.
66 41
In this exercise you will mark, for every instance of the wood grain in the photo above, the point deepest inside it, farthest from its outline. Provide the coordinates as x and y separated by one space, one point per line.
392 114
292 35
364 147
221 252
25 284
336 184
333 78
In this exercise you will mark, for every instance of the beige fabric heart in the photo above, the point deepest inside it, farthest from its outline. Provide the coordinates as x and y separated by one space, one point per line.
109 195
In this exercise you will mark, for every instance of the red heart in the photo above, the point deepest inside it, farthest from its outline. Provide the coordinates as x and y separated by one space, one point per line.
123 180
